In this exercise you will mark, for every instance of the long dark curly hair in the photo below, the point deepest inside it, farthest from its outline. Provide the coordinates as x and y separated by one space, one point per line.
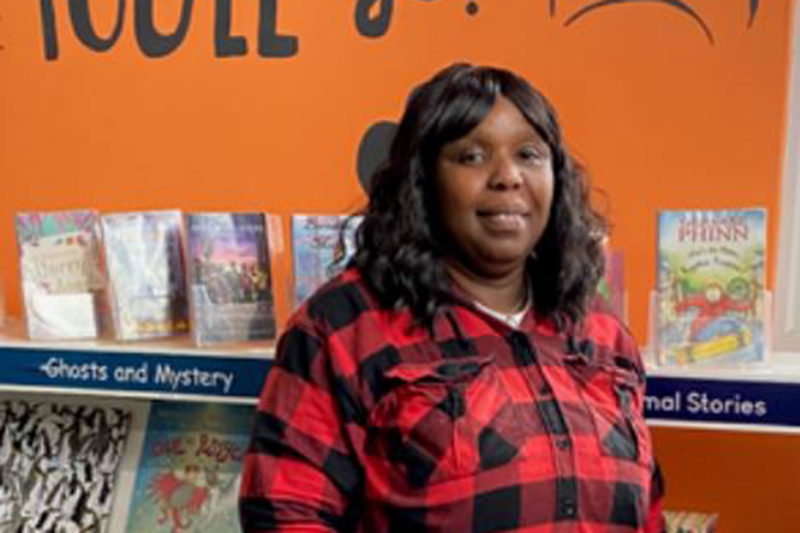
400 241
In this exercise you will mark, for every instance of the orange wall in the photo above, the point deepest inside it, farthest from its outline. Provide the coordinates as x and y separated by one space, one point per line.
750 479
662 117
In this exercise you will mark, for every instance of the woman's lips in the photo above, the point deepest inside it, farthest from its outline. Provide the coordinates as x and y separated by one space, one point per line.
503 221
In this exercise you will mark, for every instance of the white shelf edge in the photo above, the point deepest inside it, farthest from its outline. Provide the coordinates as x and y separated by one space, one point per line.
128 395
723 427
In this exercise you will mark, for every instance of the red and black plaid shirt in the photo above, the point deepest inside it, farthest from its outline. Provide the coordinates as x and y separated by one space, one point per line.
369 424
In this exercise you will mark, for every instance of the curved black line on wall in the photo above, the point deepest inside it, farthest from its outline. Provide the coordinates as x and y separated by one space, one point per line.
753 12
84 31
374 150
151 41
377 26
677 4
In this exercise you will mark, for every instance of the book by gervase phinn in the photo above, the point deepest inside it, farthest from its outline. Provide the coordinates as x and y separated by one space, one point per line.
711 276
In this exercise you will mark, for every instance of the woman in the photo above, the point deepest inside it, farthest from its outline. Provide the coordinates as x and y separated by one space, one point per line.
459 376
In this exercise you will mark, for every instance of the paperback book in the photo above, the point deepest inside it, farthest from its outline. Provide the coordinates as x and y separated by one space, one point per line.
58 465
711 277
145 274
190 469
230 289
62 281
320 250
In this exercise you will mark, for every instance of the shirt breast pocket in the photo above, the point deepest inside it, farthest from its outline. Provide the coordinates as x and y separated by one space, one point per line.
443 421
613 393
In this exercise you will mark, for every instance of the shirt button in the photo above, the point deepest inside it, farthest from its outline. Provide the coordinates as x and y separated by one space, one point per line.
568 508
563 444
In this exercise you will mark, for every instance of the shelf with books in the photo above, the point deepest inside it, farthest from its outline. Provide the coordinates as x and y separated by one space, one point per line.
761 397
167 370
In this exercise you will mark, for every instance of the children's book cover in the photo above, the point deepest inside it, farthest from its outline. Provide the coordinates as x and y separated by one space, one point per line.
58 465
189 474
230 290
690 522
320 250
711 276
612 285
145 274
62 276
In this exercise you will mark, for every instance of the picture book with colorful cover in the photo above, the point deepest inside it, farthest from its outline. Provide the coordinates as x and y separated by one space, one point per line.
62 276
190 468
145 274
612 285
319 252
59 465
230 290
711 276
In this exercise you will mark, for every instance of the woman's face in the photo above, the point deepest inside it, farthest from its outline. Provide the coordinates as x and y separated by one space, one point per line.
495 188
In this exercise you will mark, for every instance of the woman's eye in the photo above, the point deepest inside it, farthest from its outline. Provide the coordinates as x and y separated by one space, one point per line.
531 154
471 157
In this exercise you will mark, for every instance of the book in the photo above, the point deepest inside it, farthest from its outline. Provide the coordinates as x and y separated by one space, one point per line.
230 286
711 278
190 469
320 250
59 465
145 274
690 522
61 271
612 285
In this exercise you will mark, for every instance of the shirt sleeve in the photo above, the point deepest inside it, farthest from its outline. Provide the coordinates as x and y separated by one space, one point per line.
300 472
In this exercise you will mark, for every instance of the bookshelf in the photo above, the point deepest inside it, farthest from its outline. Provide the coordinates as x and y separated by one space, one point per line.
762 399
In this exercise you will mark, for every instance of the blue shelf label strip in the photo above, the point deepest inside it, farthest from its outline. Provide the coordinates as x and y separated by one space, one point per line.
135 372
677 399
723 401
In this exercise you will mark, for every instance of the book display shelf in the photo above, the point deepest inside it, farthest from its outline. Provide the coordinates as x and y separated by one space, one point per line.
155 370
762 398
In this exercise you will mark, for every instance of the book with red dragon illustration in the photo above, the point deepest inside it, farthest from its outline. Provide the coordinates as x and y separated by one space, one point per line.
189 473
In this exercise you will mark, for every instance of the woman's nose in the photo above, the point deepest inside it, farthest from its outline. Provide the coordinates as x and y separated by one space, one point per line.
505 174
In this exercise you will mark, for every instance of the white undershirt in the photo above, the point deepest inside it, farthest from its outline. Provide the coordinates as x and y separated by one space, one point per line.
512 319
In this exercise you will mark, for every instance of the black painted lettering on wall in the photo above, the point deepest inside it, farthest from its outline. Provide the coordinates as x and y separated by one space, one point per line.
373 151
226 45
372 18
151 41
49 30
270 44
84 29
370 25
154 43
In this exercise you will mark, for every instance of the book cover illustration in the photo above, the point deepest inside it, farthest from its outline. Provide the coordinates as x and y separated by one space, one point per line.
61 272
612 285
58 465
145 274
711 276
189 474
230 289
319 252
690 522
